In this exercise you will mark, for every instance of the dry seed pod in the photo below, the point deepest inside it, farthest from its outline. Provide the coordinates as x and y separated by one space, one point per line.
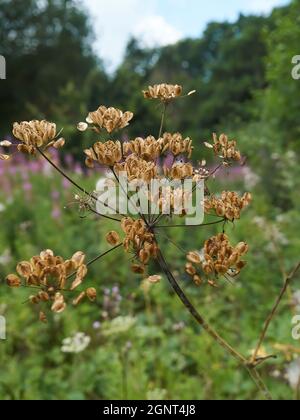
163 92
79 298
24 269
113 238
91 294
34 133
109 119
194 257
13 281
43 296
4 157
154 279
190 269
59 304
138 269
34 299
42 317
197 280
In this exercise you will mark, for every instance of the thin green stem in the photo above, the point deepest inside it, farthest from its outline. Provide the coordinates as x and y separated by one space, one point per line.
272 314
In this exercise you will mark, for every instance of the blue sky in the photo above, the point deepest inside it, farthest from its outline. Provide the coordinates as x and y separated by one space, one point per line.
161 22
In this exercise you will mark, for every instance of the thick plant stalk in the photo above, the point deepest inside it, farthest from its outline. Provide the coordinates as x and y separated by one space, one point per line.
268 321
215 336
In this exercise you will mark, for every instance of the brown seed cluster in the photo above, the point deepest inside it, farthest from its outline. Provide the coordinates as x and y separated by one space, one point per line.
110 119
219 258
139 160
137 169
225 148
230 205
140 241
179 171
170 200
50 275
163 92
147 149
113 238
34 134
108 153
176 144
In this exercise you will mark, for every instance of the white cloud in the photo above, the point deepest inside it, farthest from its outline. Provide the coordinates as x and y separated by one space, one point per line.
116 20
154 31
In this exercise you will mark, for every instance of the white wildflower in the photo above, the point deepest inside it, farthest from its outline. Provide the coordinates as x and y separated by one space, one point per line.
251 179
119 325
76 344
293 373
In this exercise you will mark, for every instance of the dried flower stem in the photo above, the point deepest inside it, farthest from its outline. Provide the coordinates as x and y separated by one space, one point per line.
268 321
216 337
216 222
74 183
163 117
98 258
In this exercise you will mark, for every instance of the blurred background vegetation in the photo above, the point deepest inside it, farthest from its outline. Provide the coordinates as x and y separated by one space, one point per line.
242 73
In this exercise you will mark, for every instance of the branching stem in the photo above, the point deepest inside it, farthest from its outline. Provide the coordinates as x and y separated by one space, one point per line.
62 173
213 334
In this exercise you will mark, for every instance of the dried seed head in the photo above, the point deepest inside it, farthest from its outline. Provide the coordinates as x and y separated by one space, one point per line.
176 144
4 157
220 258
91 294
43 296
108 153
110 119
154 279
113 238
79 298
146 149
13 281
194 257
137 169
24 269
225 148
42 317
82 126
51 274
59 304
163 92
34 133
58 144
180 171
35 300
138 269
190 269
197 280
139 240
229 205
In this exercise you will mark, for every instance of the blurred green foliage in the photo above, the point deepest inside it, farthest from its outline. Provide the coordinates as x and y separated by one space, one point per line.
242 73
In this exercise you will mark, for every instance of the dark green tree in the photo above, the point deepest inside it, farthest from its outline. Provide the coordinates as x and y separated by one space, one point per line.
52 71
